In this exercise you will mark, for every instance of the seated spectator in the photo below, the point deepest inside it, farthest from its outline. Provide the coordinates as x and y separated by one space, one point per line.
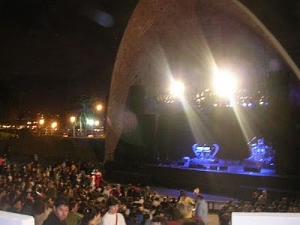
92 216
146 219
74 216
17 205
39 212
158 220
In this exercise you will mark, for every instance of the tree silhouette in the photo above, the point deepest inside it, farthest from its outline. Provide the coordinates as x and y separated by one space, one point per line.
86 110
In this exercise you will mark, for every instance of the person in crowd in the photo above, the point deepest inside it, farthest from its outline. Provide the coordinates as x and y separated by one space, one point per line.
49 205
116 191
60 212
2 165
107 190
146 219
5 205
254 197
51 191
181 193
146 192
74 216
186 205
263 198
17 205
98 177
112 217
158 220
196 191
92 216
31 183
201 210
154 195
39 212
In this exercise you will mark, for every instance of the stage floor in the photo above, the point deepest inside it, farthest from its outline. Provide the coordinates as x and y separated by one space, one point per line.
224 178
234 170
225 166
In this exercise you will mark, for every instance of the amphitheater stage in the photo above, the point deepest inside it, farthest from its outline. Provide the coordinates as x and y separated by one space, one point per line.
227 178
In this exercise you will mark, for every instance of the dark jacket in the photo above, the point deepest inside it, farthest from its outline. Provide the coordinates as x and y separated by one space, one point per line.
53 220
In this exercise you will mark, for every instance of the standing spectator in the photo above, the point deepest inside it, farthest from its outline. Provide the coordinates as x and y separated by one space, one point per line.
181 193
60 212
186 206
201 210
2 162
92 178
254 197
112 217
35 159
263 198
98 178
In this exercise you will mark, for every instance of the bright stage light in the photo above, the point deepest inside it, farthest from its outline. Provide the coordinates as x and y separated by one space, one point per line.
177 89
225 84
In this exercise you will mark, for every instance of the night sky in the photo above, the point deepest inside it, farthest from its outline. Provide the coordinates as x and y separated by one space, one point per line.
53 53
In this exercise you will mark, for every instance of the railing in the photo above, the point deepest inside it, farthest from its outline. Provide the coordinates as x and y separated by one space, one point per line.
214 206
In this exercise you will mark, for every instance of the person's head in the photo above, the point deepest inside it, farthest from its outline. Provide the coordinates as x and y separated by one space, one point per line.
199 197
5 204
158 220
183 194
112 204
74 206
61 208
18 203
92 215
50 203
38 207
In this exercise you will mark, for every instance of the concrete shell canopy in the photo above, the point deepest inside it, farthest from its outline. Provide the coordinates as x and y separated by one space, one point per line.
187 40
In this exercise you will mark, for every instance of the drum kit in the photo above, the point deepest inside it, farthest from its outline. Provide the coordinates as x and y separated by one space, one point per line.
259 151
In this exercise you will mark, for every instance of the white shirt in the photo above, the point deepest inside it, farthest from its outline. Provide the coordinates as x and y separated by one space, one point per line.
110 219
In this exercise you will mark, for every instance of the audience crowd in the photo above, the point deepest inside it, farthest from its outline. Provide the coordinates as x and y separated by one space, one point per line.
75 193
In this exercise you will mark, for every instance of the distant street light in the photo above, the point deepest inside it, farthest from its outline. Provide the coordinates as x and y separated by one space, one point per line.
53 126
72 120
90 122
100 110
41 122
96 123
99 107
